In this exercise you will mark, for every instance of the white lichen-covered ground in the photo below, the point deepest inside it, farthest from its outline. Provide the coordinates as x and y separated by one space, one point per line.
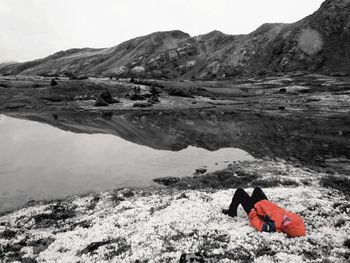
158 225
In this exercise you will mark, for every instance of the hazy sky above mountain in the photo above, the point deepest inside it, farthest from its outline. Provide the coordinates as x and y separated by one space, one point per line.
31 29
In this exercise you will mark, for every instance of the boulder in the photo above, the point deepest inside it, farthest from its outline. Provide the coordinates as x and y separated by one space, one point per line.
201 170
53 83
283 90
107 97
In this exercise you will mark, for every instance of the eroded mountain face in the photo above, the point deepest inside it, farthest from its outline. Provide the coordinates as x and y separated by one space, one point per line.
317 43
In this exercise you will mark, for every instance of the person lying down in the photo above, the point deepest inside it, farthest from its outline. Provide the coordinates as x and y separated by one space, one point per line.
265 215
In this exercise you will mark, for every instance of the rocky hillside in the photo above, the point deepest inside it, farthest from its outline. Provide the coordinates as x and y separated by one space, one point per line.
317 43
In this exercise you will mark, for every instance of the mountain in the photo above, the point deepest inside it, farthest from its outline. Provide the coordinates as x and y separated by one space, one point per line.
317 43
7 63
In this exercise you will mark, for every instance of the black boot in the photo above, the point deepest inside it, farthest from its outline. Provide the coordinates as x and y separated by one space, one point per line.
227 212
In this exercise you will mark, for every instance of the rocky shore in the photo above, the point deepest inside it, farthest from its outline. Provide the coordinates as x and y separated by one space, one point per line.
185 221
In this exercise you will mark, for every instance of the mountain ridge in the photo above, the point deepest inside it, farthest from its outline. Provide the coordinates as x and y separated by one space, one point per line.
316 43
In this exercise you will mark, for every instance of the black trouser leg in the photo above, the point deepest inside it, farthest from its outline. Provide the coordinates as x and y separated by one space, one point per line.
240 198
258 195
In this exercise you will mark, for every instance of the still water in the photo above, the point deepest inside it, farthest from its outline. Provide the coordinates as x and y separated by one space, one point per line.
39 161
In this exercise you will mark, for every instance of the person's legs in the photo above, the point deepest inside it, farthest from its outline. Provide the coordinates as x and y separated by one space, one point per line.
239 198
258 195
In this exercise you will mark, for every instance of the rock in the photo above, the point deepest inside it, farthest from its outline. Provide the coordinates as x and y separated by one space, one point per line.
100 102
128 193
107 97
53 83
167 180
197 258
138 70
201 170
283 90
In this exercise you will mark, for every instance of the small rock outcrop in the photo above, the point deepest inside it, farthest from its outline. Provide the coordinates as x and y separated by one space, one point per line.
167 180
105 99
53 83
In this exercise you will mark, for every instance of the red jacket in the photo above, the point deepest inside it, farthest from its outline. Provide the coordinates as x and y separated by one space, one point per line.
269 217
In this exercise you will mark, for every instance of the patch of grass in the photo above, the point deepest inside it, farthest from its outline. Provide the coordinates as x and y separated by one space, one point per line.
306 182
8 234
342 207
116 198
41 244
340 223
128 193
93 202
114 247
180 92
274 182
267 183
340 183
82 224
59 211
223 179
347 243
159 207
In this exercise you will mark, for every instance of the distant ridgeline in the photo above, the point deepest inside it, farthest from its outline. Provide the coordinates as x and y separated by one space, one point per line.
317 43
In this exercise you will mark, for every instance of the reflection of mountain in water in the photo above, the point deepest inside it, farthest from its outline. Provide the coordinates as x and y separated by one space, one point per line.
300 136
52 163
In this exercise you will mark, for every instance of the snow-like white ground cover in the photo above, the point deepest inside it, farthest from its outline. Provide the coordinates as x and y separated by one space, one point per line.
160 225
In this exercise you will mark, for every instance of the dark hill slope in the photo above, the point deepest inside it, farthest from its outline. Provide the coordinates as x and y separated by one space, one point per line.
317 43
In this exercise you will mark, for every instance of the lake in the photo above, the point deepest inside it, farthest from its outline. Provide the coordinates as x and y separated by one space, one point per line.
39 161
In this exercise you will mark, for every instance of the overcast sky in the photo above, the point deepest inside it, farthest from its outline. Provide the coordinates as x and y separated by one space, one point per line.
31 29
